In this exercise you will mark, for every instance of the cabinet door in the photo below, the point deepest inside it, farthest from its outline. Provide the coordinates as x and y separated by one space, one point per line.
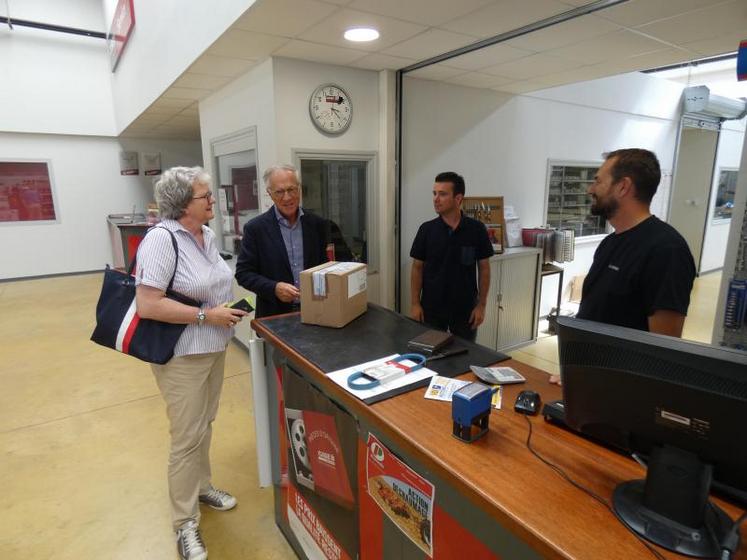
486 333
518 299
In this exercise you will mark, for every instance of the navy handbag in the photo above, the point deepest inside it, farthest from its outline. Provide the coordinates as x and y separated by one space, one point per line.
119 327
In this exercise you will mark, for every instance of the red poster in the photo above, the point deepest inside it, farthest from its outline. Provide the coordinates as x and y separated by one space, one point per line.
317 457
313 536
25 192
401 493
120 30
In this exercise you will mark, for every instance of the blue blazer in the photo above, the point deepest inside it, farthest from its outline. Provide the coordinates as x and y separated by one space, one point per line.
263 260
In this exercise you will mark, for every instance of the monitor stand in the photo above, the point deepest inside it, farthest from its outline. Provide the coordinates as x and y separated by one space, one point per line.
671 507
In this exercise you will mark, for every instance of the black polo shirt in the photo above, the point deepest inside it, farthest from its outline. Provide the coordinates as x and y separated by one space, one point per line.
450 265
637 272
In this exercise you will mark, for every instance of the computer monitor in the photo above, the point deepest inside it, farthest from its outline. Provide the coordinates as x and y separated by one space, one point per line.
682 404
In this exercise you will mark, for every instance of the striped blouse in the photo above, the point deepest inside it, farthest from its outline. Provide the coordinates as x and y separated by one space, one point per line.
202 274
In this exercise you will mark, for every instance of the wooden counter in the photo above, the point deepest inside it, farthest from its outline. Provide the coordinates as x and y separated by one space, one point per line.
498 475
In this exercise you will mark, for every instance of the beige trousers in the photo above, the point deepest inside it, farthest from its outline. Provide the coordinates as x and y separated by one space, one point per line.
191 387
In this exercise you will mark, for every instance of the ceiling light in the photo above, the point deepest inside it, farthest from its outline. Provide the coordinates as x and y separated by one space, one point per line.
361 34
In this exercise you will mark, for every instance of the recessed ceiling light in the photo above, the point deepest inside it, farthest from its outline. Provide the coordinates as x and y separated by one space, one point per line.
361 34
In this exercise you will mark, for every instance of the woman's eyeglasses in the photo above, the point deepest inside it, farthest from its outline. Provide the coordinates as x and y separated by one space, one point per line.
207 195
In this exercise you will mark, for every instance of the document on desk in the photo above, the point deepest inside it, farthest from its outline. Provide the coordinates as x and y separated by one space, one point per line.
441 388
407 382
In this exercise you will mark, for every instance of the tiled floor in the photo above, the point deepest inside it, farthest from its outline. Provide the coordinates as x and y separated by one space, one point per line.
84 441
84 437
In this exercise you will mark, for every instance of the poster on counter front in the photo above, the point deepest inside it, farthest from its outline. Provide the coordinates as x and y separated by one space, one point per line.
403 495
321 440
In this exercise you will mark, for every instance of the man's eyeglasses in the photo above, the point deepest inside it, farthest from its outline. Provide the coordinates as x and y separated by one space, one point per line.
207 195
280 193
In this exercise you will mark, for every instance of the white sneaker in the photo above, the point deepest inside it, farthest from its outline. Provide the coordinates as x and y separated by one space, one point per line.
189 542
218 499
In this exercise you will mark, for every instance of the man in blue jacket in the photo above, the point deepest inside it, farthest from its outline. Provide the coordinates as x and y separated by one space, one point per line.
279 244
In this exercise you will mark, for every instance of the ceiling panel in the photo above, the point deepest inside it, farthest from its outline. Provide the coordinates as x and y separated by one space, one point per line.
478 80
725 43
246 44
701 24
566 33
651 60
612 46
635 35
201 81
638 12
169 103
319 53
185 93
505 15
287 18
378 61
221 66
193 109
489 56
581 74
524 86
427 12
430 43
436 72
531 66
330 30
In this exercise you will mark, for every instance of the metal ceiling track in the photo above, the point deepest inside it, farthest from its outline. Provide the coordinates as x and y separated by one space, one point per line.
11 22
518 32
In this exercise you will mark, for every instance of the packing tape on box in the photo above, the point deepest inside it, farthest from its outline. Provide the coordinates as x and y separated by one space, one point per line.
319 278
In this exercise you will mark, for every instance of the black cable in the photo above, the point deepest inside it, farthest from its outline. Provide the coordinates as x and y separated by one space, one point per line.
731 541
581 487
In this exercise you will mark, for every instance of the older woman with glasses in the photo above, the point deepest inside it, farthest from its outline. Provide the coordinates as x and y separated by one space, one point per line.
191 381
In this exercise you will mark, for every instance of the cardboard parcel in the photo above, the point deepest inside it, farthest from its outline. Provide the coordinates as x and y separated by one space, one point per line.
333 293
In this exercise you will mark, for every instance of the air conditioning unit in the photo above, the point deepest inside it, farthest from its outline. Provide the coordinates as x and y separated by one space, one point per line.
698 100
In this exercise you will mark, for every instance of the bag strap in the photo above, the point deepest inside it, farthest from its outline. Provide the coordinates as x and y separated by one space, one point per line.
176 252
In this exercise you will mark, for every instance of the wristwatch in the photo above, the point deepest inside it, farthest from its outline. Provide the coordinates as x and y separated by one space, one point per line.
201 316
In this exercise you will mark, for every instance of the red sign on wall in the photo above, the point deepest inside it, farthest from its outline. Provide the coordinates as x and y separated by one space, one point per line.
25 192
120 30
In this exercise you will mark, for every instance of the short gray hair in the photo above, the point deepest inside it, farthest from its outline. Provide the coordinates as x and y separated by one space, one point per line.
174 190
281 167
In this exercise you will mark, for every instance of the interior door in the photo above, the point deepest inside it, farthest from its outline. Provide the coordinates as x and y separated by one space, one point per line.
692 186
238 196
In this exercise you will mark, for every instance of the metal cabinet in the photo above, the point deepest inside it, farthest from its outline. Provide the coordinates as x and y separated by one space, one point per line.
568 204
513 300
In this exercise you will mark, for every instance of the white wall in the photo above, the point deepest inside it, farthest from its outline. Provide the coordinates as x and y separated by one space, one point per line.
87 187
54 82
728 155
274 97
246 102
169 35
295 80
502 144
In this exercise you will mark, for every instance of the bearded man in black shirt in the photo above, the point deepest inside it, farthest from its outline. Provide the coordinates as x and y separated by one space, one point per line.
642 273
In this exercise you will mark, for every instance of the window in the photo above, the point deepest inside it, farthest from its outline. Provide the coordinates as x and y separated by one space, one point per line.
727 185
568 205
339 188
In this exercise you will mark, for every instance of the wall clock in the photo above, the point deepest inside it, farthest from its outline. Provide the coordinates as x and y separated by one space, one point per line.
330 109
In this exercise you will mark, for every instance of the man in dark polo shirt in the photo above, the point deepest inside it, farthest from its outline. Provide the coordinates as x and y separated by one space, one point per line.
446 290
642 274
